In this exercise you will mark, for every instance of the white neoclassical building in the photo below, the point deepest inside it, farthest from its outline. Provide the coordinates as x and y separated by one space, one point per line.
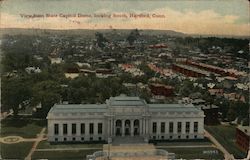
124 116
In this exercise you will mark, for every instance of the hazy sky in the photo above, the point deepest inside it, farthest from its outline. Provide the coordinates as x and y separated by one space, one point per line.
228 17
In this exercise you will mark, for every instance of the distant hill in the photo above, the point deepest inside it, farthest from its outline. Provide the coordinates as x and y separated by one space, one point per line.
166 32
219 36
91 32
85 32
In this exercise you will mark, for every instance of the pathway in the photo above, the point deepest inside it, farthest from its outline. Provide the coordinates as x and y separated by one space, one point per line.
17 139
5 114
187 146
39 138
68 149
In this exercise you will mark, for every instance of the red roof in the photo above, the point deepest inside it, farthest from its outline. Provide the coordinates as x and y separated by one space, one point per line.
158 46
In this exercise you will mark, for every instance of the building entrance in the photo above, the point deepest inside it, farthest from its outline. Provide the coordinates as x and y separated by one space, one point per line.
136 127
127 127
118 126
118 132
136 132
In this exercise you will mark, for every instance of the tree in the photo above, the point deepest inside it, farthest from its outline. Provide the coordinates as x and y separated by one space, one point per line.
48 93
76 95
213 77
147 71
144 94
100 39
231 115
14 92
134 34
47 100
223 104
245 121
17 55
186 88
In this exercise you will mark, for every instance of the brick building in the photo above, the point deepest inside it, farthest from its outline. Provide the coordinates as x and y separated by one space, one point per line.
211 68
190 71
161 89
243 137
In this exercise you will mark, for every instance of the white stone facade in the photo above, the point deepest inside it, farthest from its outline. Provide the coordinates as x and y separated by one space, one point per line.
124 116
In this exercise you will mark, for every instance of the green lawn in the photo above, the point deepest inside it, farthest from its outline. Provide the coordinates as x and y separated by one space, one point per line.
63 155
15 151
196 153
26 128
47 145
226 137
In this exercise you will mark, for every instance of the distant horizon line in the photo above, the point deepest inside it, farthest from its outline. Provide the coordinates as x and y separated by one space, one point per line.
187 34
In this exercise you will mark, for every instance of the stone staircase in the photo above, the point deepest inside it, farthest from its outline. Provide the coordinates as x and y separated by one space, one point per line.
128 140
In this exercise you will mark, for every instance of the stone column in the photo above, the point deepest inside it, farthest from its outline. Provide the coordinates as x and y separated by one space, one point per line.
60 125
96 128
114 127
132 127
146 127
87 130
191 127
78 129
183 127
69 129
111 127
140 127
167 127
123 127
175 127
158 126
108 127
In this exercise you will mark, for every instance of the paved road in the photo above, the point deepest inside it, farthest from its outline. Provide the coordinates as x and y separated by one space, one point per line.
227 155
188 146
68 149
39 138
248 155
5 115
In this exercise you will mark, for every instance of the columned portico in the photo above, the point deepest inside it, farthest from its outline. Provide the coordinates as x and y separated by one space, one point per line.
127 127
